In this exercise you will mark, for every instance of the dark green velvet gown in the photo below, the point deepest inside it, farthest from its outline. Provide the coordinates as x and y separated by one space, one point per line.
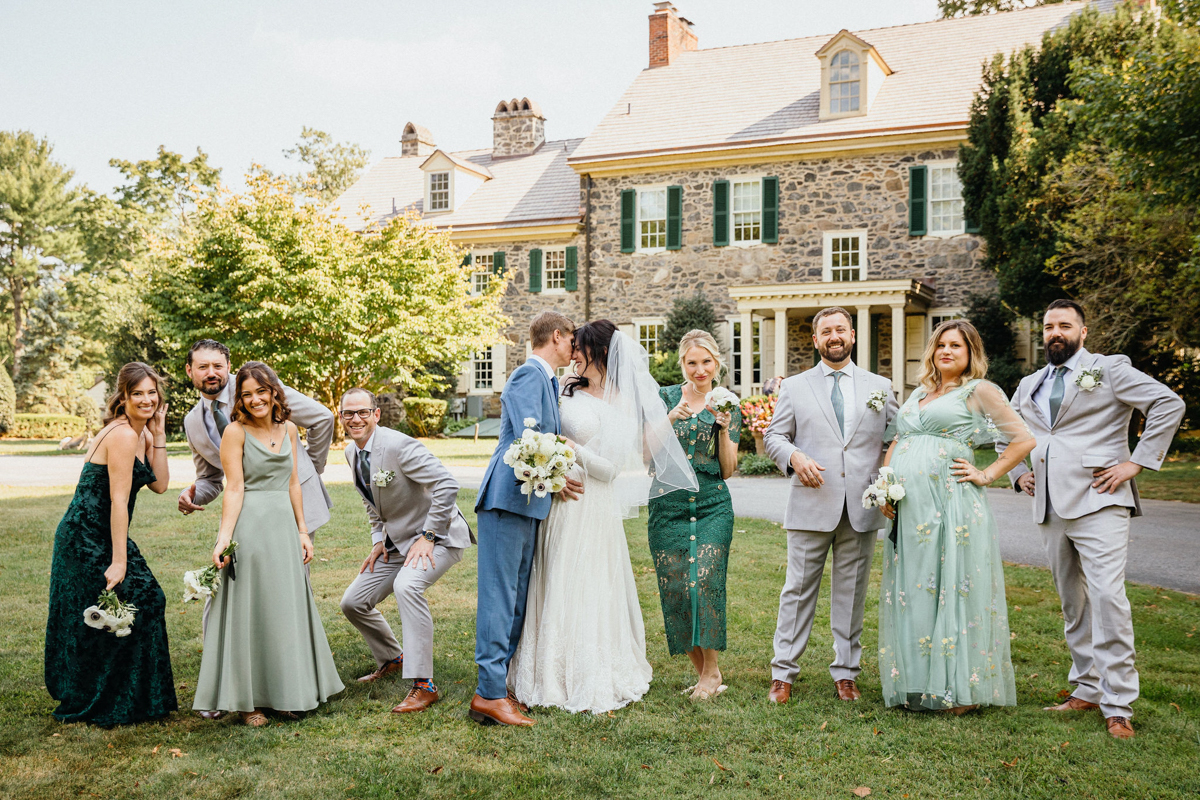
96 676
690 534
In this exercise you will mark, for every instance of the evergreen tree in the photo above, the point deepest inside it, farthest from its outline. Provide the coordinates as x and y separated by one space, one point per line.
687 314
48 382
8 401
995 325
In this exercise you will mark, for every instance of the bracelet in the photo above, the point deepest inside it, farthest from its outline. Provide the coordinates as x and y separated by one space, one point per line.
156 447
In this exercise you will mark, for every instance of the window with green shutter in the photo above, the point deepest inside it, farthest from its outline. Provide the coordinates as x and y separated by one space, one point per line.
535 270
674 217
572 276
466 262
720 213
917 210
498 262
770 210
628 202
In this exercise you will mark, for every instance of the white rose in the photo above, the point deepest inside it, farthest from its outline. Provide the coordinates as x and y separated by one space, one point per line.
1087 382
884 471
558 484
123 632
548 446
896 493
192 590
528 433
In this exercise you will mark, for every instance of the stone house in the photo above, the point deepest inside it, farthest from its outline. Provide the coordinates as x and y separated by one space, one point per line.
776 178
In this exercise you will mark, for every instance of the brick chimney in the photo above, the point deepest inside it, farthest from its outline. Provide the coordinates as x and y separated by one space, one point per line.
670 35
518 128
416 141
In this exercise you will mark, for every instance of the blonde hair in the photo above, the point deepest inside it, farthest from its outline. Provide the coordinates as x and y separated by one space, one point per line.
930 377
543 326
699 338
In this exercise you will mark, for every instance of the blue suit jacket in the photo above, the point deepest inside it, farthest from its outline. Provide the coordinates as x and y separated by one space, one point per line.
528 393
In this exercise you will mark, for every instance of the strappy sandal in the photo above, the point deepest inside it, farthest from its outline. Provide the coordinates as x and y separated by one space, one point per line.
255 718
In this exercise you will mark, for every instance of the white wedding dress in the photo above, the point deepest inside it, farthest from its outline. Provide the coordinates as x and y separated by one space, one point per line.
583 645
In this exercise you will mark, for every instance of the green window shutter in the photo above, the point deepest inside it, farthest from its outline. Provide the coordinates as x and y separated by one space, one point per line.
628 201
571 277
720 213
535 270
770 210
674 217
498 262
917 207
466 262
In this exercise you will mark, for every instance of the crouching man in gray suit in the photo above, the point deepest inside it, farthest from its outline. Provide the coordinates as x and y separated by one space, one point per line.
827 434
1084 493
417 534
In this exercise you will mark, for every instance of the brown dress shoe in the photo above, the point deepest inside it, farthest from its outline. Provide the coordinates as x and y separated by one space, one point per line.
781 692
1073 704
395 665
419 698
497 712
847 690
1119 727
513 698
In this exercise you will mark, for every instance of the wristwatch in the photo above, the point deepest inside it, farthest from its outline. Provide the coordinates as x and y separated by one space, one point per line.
429 535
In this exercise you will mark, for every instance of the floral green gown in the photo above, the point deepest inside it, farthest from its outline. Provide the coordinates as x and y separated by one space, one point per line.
943 623
690 534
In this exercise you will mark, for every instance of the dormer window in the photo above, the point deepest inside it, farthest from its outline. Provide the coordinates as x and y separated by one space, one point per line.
852 73
450 180
439 191
843 83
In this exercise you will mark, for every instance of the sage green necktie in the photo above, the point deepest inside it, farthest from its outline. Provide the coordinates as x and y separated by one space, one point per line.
839 402
219 417
1056 393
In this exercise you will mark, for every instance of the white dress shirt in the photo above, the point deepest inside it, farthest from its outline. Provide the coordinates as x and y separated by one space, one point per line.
225 398
1041 395
850 407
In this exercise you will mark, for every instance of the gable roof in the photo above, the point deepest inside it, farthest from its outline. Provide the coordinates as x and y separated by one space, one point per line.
769 93
458 161
524 191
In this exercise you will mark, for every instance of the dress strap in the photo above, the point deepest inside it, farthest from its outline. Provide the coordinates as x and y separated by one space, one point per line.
97 447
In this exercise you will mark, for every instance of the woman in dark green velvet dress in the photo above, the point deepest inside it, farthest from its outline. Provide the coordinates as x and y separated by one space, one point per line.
96 676
690 533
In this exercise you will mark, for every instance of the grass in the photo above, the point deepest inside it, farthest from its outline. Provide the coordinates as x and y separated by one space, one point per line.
663 746
49 447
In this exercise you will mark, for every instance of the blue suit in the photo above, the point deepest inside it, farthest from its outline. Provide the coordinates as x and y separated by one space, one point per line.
508 523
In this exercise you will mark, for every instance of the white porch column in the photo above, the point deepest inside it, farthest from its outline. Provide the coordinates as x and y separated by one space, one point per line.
746 347
781 343
863 337
898 351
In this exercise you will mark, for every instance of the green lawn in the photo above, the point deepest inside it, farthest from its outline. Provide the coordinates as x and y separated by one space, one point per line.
49 447
665 746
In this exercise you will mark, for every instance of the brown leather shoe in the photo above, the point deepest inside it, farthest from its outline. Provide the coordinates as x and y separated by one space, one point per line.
513 698
1119 727
1074 704
419 698
497 712
781 692
395 665
847 690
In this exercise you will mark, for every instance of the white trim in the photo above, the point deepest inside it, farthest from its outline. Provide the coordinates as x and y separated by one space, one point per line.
546 271
640 322
475 256
429 209
930 166
827 252
637 217
733 181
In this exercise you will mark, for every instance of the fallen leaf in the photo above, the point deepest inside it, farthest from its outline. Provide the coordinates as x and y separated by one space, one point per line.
435 770
780 777
862 791
612 715
1176 707
325 559
1034 675
876 731
823 724
55 734
153 752
176 752
722 766
1007 764
1016 608
645 766
712 778
1064 744
110 747
1063 694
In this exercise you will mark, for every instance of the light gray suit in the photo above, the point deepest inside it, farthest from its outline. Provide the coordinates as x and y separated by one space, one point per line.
829 516
421 497
1085 532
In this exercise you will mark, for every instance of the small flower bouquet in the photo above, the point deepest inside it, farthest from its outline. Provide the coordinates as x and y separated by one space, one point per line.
383 477
540 461
886 489
111 614
722 401
1089 379
877 400
203 583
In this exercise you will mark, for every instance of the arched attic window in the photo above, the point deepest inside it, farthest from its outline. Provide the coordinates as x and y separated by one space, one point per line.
844 83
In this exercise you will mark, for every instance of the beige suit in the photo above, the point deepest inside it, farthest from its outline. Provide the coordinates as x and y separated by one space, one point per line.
1086 532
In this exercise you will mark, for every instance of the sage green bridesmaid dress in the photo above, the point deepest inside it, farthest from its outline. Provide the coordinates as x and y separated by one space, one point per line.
265 646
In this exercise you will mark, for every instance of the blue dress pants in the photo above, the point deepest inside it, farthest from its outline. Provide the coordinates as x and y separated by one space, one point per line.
506 545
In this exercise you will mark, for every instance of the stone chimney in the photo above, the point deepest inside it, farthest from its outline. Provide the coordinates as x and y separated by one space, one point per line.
670 35
416 141
518 128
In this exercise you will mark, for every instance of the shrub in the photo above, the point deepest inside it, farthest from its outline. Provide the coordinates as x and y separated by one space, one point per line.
8 402
750 464
688 314
426 416
456 425
47 426
1182 444
87 408
664 368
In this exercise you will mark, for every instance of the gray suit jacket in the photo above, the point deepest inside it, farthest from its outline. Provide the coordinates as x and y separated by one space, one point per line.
804 421
1092 432
307 413
420 498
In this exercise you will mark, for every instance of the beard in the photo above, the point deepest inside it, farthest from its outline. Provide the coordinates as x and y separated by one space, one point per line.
1059 350
213 386
835 352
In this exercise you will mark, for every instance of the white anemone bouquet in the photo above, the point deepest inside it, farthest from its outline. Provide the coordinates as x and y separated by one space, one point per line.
203 583
886 489
111 614
540 461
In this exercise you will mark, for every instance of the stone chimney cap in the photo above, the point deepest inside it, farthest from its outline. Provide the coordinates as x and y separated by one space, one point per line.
524 107
664 7
418 132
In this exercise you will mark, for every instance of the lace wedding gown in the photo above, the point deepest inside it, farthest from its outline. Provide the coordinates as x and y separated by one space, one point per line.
583 645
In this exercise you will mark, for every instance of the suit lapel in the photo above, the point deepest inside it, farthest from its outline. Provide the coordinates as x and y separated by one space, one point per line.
199 438
860 400
816 382
352 462
376 465
1034 385
1071 390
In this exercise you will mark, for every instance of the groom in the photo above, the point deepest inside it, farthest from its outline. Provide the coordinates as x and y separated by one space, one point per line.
508 520
827 434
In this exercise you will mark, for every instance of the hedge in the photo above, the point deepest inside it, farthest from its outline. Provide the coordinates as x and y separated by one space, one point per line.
47 426
752 464
426 416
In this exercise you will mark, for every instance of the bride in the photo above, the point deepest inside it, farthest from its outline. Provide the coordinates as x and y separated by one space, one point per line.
583 644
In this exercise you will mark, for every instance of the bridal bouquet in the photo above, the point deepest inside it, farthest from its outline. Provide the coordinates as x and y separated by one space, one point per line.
204 583
540 461
886 489
722 401
110 614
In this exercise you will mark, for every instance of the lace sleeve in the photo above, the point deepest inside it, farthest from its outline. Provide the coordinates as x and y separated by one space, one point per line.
735 425
596 466
996 419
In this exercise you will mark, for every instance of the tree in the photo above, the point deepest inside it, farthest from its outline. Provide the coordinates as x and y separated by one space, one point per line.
48 382
37 215
995 325
329 309
332 167
972 8
8 401
687 314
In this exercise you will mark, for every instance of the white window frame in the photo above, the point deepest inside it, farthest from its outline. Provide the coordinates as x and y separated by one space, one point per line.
499 364
637 217
449 173
477 272
645 322
859 80
827 253
734 180
930 166
546 253
476 363
936 316
733 374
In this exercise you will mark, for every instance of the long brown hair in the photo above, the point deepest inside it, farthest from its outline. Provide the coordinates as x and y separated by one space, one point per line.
128 379
280 411
930 377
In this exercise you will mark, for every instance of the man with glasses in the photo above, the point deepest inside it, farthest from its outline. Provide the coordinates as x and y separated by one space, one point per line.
417 534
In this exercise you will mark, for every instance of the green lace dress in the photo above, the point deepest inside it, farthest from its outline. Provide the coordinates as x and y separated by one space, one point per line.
690 534
95 676
943 622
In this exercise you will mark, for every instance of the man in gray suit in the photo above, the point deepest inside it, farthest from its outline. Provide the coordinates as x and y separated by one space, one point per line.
1084 493
827 434
417 534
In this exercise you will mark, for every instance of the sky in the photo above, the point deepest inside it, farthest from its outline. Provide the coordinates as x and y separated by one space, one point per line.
240 78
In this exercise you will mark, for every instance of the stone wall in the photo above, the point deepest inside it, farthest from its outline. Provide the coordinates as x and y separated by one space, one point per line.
517 133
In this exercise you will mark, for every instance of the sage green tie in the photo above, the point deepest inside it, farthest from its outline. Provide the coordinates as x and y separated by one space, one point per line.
839 402
1056 393
220 418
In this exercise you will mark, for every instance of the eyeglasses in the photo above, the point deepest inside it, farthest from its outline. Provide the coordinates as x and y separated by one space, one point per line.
361 413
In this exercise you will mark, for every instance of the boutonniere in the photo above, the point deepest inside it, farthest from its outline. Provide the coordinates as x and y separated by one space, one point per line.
877 400
383 477
1089 379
